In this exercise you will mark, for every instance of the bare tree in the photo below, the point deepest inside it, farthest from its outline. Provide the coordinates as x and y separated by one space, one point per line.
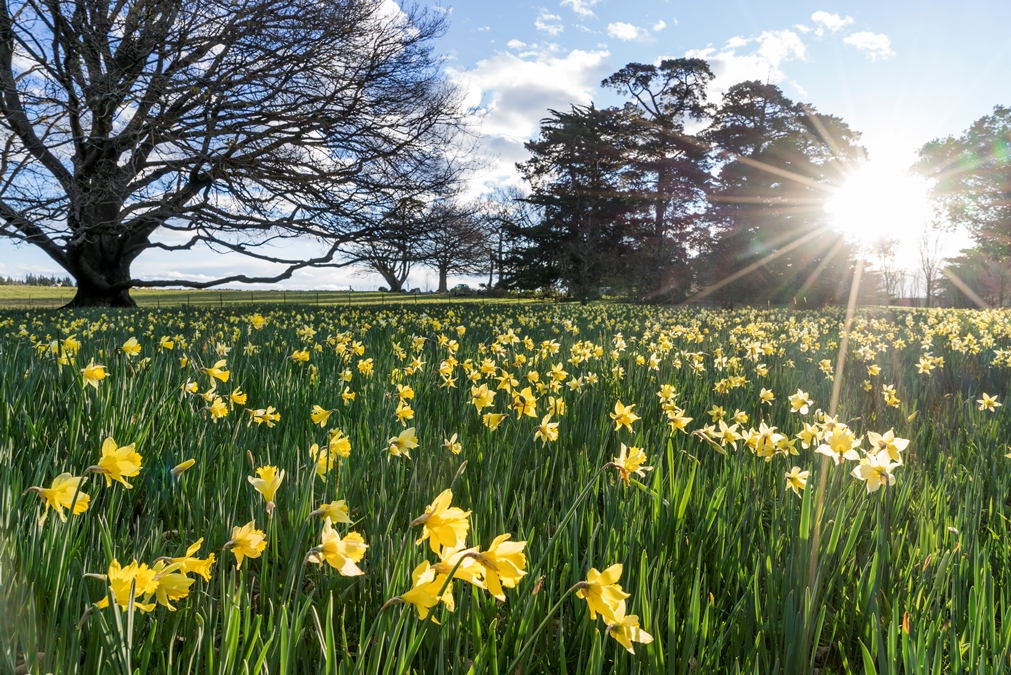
455 240
394 245
884 260
931 259
227 124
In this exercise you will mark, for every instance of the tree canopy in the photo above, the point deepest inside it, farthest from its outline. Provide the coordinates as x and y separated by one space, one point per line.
228 124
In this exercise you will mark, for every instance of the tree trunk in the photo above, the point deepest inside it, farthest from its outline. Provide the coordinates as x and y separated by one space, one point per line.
89 296
101 273
443 274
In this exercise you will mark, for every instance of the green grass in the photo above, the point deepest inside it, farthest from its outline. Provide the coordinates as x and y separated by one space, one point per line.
29 297
716 550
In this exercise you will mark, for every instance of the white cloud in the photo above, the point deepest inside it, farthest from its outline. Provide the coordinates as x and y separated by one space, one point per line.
829 22
549 23
581 7
875 45
768 52
510 93
516 44
483 29
659 26
628 32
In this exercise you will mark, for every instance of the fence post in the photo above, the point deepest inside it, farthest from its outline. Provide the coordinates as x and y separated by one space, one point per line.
221 299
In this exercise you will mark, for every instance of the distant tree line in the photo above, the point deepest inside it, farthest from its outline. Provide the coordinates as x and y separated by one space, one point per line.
37 280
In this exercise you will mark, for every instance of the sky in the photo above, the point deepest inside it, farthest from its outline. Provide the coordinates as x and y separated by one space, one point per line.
901 72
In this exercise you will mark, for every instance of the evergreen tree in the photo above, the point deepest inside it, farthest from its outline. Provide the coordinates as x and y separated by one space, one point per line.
772 236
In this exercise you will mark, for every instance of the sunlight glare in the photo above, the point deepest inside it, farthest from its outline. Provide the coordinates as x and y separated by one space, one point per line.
880 200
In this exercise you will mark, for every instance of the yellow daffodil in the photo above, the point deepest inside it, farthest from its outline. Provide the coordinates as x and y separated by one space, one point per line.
424 593
217 371
117 463
443 524
64 492
504 564
602 593
136 580
625 629
93 374
246 542
800 402
796 480
336 511
268 481
341 554
403 443
131 347
452 445
546 431
889 443
630 461
875 469
190 564
840 444
623 416
319 415
492 420
988 403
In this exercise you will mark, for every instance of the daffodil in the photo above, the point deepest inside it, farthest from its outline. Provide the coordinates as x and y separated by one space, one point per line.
425 591
988 403
602 593
267 482
800 402
336 512
492 420
626 630
246 542
546 430
403 443
341 554
623 416
319 415
888 442
504 564
796 479
131 347
630 461
93 374
443 524
64 492
117 463
190 564
482 397
452 445
875 469
172 584
840 444
217 371
130 583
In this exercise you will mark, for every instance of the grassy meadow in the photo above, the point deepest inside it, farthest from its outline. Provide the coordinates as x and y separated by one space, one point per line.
731 521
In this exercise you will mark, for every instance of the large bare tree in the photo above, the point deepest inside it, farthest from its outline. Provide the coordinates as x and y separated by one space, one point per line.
456 240
227 124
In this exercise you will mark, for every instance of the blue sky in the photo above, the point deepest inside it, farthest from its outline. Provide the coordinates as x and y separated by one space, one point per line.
901 72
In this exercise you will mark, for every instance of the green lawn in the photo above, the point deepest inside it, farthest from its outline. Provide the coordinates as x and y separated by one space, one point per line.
42 296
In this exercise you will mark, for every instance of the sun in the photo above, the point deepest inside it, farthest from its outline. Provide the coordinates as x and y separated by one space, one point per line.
880 200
